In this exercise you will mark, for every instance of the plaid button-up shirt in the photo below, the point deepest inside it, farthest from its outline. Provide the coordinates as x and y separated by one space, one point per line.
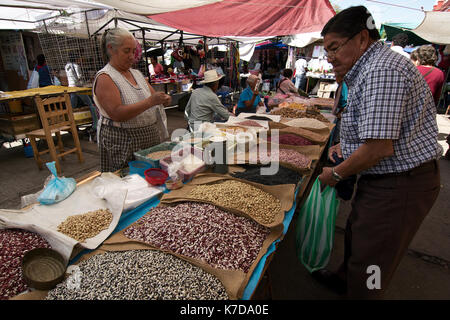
389 99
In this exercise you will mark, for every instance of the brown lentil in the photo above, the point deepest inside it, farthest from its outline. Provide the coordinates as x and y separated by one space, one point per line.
237 195
159 154
87 225
203 232
14 243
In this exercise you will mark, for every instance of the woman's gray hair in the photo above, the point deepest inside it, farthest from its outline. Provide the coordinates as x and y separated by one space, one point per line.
113 37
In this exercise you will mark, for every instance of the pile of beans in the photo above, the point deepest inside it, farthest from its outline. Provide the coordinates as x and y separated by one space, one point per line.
283 176
291 139
249 123
259 118
293 157
14 243
237 195
295 113
203 232
159 154
84 226
139 275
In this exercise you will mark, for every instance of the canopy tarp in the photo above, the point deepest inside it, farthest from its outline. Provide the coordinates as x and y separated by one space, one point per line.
435 28
25 14
392 29
251 18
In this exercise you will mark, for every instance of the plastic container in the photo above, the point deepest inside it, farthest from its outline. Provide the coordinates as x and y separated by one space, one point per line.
156 176
139 167
141 155
183 174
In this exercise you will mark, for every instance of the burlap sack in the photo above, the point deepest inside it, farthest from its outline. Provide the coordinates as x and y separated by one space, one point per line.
314 137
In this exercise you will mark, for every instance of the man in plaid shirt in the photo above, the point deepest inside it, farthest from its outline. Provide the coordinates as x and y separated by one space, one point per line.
389 138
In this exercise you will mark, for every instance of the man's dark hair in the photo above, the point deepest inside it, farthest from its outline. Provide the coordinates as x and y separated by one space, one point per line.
287 73
400 39
350 22
40 59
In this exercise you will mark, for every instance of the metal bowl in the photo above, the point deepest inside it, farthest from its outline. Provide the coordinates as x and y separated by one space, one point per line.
43 268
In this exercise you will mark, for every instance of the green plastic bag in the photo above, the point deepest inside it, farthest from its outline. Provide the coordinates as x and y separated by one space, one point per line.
315 227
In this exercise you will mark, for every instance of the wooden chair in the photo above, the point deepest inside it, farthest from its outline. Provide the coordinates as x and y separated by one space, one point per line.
56 115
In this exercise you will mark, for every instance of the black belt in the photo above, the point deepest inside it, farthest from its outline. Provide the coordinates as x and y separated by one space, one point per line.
423 168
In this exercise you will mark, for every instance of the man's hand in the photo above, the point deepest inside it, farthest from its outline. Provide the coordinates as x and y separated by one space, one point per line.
334 149
326 177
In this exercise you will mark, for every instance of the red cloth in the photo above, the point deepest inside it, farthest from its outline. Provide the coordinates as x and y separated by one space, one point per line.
251 18
435 80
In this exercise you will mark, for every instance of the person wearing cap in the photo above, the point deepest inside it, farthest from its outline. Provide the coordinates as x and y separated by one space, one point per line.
204 102
249 99
388 138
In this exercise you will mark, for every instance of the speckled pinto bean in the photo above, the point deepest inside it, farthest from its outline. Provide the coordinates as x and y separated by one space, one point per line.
203 232
292 157
258 204
14 243
291 139
139 275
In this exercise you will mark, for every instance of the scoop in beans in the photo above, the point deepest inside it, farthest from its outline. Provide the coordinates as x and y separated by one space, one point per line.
138 275
203 232
258 204
14 243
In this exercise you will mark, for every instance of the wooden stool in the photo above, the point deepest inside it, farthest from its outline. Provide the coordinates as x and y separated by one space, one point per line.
56 115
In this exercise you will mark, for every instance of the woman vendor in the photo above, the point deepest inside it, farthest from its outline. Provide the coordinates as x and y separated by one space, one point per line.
249 99
132 116
286 86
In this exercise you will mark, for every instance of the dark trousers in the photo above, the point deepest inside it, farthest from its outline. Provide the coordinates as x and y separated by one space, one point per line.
386 214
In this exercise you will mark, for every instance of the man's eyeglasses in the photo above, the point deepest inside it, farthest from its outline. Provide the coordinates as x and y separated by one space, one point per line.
331 53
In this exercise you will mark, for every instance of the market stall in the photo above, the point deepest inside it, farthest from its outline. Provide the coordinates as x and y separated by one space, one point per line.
225 240
18 114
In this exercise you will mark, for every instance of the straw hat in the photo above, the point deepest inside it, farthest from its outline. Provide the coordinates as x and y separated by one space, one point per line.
211 76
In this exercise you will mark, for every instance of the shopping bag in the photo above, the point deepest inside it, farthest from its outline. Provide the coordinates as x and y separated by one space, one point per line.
315 227
57 189
34 80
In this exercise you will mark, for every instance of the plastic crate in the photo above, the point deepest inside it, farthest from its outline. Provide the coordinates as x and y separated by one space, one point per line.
141 155
184 175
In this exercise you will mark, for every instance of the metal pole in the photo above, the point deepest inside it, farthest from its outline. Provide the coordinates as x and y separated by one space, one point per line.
145 55
87 24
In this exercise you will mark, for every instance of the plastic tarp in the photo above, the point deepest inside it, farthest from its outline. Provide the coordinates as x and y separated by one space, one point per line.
251 18
391 29
435 28
147 7
302 39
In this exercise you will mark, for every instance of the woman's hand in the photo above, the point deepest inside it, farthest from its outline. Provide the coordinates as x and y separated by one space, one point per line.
334 149
159 98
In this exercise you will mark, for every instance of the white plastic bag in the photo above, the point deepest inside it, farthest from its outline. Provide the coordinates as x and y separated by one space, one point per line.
57 189
34 80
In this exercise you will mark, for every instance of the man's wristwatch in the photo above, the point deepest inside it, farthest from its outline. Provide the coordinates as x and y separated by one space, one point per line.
336 176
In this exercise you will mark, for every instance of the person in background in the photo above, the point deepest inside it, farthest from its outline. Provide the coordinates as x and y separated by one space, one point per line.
300 73
285 85
414 58
388 137
426 57
45 77
75 79
399 42
155 68
132 113
204 103
249 99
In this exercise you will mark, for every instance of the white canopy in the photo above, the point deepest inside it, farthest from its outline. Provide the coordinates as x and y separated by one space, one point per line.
435 27
302 39
148 7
